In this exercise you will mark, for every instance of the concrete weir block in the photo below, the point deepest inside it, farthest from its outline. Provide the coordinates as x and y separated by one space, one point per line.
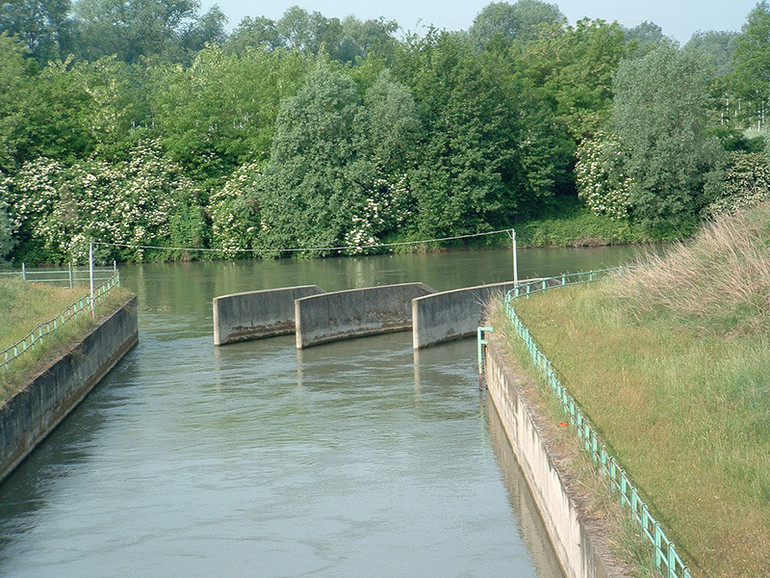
257 314
355 313
451 314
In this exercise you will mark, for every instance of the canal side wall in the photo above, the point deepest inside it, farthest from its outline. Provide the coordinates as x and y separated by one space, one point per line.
575 543
451 315
32 413
356 313
257 314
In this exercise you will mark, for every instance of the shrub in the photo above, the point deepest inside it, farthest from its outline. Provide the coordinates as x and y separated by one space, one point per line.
6 228
601 181
235 213
746 183
143 201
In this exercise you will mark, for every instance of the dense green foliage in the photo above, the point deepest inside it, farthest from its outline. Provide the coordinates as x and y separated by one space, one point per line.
6 230
144 123
506 23
751 66
660 118
746 183
602 182
323 185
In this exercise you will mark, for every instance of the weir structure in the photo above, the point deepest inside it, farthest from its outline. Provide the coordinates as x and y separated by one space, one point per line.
257 314
356 313
451 314
317 317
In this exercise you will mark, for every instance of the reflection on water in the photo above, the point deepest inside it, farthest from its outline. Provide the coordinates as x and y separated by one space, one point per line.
348 459
189 287
532 527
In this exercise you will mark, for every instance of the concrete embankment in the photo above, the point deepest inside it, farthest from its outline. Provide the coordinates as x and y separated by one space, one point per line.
355 313
451 315
256 314
32 413
579 546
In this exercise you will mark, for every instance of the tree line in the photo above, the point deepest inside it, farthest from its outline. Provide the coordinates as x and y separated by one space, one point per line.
142 122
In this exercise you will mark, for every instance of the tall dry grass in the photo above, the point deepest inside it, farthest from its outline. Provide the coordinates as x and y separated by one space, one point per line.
720 280
686 410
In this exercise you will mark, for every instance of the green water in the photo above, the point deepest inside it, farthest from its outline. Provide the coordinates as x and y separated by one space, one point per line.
357 458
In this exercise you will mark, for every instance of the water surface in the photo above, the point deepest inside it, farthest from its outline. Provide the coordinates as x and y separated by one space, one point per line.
255 459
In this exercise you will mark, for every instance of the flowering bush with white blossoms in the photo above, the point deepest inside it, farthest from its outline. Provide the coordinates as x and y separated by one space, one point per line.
32 191
234 212
601 182
32 194
384 210
746 183
143 201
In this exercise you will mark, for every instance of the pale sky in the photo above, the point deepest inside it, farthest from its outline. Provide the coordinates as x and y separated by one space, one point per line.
678 18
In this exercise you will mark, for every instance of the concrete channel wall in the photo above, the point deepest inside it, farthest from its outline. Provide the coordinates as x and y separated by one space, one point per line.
451 314
355 313
256 314
31 414
575 544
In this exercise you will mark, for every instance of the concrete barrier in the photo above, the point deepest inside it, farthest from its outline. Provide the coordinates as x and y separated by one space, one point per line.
450 314
581 549
355 313
257 314
32 413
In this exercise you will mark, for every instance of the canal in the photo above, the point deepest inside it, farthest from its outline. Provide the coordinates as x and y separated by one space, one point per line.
357 458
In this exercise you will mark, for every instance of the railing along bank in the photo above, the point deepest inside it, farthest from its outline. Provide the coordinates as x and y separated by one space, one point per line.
667 560
71 276
35 337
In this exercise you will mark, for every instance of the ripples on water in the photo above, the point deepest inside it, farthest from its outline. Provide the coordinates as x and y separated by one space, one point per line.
358 458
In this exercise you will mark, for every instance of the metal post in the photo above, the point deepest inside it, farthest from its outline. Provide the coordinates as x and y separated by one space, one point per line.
515 259
24 271
480 343
71 281
671 560
91 274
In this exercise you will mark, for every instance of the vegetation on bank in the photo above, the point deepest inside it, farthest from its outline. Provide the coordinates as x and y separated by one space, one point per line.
671 363
572 224
632 555
153 127
25 305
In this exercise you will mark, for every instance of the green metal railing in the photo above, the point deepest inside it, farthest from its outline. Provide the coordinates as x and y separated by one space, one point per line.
35 337
666 558
70 276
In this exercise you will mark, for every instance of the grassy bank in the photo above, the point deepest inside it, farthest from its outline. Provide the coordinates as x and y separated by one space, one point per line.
672 365
23 306
566 223
631 555
572 224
